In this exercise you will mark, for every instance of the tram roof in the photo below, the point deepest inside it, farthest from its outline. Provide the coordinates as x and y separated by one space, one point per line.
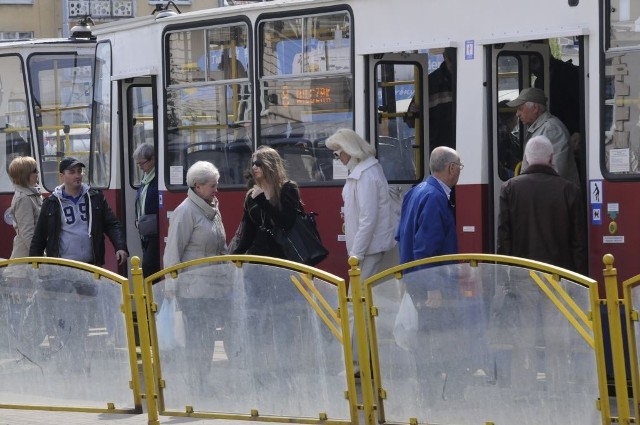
219 12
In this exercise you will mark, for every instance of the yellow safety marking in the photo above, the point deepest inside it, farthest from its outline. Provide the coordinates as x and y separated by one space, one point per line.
307 280
317 308
581 314
588 338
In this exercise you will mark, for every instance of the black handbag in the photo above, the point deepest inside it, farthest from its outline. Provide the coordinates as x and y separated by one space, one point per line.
301 243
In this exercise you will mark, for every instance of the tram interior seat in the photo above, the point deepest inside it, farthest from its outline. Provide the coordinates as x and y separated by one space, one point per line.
298 158
231 159
213 152
50 169
238 157
324 158
396 159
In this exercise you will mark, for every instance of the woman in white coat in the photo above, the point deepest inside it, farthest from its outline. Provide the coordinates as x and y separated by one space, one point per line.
368 216
196 231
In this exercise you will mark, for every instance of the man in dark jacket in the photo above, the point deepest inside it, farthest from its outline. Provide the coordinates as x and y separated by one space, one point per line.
79 235
541 213
541 218
71 225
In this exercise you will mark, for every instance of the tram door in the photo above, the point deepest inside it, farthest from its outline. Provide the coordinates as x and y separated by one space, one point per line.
138 126
515 66
398 117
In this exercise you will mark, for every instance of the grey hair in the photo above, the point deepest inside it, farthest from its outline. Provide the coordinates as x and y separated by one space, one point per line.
441 157
540 106
349 141
538 150
202 172
143 151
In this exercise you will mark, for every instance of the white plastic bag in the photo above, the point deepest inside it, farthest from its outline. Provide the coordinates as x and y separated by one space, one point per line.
405 328
170 326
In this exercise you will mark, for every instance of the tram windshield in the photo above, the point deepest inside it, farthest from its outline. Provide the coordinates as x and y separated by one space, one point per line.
61 92
14 127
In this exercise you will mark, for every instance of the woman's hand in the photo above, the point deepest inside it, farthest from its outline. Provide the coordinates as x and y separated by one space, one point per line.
256 191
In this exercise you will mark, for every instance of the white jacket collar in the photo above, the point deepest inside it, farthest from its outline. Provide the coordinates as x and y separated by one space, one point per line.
363 165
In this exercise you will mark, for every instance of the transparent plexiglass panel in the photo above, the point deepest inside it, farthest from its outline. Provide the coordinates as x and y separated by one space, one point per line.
62 332
486 345
252 342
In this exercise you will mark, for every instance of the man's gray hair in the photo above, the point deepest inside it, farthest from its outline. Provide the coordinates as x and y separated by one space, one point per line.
143 151
202 172
441 157
540 106
538 150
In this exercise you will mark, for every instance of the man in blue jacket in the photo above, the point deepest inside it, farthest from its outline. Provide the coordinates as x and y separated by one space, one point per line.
427 222
427 228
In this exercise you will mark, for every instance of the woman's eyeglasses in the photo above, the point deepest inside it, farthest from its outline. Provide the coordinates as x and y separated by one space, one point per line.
257 163
35 171
336 154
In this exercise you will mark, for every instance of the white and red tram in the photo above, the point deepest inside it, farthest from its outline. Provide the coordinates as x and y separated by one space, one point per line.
45 109
215 84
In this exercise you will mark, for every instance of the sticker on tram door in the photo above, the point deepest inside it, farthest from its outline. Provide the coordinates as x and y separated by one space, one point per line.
596 214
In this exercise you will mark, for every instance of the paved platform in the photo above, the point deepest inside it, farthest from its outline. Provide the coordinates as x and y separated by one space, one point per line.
38 417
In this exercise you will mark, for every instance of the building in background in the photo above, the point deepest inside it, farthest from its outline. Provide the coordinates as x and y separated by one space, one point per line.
24 19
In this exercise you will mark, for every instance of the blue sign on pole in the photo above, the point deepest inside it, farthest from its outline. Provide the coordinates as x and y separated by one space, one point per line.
469 50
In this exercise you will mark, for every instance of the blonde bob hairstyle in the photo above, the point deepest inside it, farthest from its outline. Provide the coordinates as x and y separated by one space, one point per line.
348 141
20 170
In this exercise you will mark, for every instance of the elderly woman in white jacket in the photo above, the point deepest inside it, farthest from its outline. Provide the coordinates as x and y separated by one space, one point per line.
196 231
369 223
369 226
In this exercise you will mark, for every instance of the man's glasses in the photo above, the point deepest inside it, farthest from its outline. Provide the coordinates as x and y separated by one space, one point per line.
459 164
257 163
141 163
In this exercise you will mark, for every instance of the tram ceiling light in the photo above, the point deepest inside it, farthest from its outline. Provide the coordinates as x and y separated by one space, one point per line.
573 3
83 29
163 10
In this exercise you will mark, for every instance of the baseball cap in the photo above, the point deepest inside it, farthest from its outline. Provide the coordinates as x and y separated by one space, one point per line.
69 162
531 94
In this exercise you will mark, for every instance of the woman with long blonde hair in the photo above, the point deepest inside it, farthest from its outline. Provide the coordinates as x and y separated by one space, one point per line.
272 202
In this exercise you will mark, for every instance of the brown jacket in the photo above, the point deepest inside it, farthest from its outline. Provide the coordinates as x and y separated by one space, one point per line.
542 218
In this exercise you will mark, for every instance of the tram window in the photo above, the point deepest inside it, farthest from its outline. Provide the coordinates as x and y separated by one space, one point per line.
399 151
14 121
62 92
306 90
209 113
621 142
141 125
100 168
515 71
623 30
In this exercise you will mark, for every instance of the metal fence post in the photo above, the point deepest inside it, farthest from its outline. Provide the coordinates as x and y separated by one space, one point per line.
145 344
616 339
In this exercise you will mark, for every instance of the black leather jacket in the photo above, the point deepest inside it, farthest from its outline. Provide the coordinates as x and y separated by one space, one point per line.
47 232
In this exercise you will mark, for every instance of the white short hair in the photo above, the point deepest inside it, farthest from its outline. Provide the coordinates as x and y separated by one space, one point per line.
538 150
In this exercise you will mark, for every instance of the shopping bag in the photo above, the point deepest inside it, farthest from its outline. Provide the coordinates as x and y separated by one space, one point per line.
170 326
405 328
301 243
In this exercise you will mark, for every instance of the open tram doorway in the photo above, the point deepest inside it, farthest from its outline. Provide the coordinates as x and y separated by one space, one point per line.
138 126
555 65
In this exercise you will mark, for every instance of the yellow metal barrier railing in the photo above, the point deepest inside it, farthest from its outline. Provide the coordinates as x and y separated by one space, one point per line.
587 324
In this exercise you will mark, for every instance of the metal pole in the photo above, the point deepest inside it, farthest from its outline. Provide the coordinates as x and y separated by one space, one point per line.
65 18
